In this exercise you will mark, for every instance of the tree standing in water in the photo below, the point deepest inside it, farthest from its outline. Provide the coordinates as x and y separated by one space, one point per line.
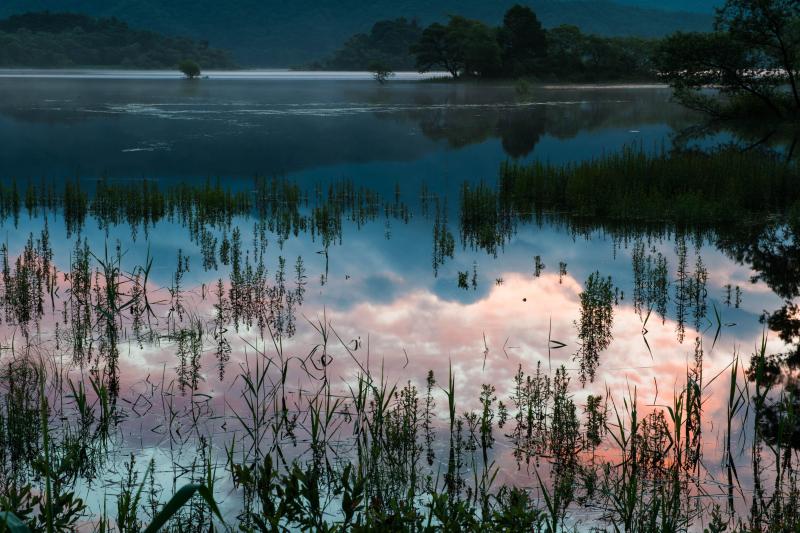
380 72
189 68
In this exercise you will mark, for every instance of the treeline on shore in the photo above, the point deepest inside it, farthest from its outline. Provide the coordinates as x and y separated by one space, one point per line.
519 47
48 39
752 56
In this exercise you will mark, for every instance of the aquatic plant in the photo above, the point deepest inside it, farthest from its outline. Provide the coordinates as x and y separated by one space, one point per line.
301 445
594 326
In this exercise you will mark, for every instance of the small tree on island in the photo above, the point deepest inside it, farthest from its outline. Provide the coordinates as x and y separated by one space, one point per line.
189 68
380 71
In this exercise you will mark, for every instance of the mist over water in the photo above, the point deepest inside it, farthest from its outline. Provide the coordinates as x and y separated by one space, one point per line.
233 128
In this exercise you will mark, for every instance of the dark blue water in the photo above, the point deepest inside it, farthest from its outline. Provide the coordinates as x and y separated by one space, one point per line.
167 128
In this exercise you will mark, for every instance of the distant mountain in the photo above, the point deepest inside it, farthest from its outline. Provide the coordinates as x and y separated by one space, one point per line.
280 33
49 39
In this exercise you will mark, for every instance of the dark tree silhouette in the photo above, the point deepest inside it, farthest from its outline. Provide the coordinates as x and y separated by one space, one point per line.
189 68
522 40
753 57
464 46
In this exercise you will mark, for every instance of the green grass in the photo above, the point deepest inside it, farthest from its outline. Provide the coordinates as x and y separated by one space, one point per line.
683 188
371 451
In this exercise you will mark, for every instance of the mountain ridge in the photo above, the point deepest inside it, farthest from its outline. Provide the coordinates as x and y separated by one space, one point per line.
271 33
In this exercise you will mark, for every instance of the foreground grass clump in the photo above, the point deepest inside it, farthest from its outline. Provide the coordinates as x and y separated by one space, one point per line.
682 187
313 438
379 458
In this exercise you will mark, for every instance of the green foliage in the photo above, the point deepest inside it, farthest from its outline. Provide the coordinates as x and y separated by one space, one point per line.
752 57
724 185
380 71
521 48
13 524
363 456
387 44
277 33
189 68
575 56
594 327
463 46
522 40
64 39
178 500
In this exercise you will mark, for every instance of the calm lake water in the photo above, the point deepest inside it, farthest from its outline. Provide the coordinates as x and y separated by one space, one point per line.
375 279
231 128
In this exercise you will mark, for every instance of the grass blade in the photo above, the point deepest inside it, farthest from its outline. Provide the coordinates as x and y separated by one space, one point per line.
13 523
180 498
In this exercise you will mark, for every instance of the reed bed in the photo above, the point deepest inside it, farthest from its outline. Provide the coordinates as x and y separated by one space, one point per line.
304 448
691 187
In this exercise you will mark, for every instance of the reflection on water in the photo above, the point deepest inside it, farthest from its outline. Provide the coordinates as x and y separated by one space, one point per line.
194 323
166 128
251 75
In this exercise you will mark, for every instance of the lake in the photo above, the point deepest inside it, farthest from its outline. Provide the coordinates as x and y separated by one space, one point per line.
312 229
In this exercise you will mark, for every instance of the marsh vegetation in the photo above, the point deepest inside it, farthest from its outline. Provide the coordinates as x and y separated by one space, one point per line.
602 340
314 429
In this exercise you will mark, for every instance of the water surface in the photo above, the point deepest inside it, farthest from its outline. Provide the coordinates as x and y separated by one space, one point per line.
374 278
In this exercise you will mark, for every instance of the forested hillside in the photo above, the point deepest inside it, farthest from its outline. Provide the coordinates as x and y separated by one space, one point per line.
277 33
65 39
519 48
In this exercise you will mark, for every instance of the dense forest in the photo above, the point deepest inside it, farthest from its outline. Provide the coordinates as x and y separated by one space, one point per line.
388 43
280 34
520 47
752 57
65 39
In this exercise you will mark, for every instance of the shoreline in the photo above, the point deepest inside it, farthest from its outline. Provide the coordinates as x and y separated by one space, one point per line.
95 73
162 74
